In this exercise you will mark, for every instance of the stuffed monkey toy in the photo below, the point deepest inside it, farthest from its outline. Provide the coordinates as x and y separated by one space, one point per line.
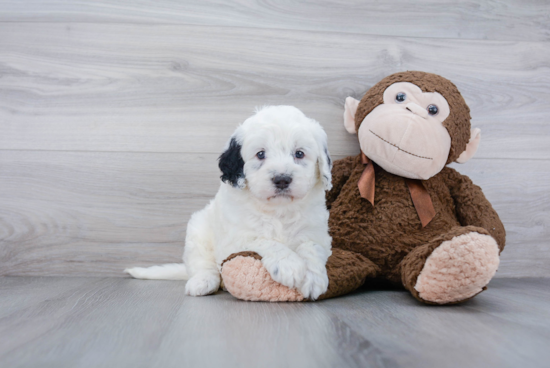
397 212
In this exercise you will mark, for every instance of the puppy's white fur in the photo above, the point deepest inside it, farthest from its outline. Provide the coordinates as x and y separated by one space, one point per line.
288 227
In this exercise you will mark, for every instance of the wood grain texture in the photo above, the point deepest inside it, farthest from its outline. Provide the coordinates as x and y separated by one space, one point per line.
112 114
109 322
500 20
96 213
165 88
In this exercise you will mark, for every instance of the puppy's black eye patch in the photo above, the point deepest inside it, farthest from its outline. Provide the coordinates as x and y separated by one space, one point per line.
231 164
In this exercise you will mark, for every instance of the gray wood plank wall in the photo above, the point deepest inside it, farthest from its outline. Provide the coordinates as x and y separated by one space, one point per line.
112 114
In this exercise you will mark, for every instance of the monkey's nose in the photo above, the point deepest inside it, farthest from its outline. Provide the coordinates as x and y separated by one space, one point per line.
417 110
282 181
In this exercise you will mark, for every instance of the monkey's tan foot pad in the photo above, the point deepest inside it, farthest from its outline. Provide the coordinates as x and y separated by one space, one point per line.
245 277
458 269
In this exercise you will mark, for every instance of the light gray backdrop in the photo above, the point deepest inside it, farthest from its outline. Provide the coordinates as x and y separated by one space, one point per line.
112 114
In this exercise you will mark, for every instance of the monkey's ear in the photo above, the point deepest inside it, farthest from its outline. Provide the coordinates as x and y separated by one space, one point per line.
471 147
350 107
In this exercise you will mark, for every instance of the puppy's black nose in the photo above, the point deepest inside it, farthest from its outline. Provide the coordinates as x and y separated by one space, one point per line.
282 181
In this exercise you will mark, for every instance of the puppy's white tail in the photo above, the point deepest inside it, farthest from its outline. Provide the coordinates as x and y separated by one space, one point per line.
171 271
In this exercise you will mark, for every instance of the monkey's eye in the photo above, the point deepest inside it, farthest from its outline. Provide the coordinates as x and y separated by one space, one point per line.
299 154
261 155
432 110
400 97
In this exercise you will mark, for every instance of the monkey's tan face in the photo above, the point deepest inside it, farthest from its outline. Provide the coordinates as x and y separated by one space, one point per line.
405 134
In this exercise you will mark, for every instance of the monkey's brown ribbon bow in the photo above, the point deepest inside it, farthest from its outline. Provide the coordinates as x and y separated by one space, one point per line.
419 195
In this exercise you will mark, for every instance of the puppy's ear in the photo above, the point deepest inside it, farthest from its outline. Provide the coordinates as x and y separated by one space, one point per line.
325 168
324 161
231 164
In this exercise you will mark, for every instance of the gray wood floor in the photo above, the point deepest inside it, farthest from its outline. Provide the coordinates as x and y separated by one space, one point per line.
115 322
112 114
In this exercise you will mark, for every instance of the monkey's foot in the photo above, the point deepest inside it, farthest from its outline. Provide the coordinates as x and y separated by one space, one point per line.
458 269
245 277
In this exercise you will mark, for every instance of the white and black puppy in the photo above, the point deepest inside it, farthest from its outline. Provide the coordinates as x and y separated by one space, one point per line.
276 169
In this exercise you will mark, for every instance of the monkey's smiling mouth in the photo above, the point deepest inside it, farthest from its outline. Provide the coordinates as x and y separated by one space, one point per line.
399 148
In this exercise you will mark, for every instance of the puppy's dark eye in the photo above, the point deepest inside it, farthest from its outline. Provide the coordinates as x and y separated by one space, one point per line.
433 110
400 97
299 154
261 155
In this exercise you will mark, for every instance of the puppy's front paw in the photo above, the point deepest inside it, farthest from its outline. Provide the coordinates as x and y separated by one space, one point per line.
289 270
315 284
202 284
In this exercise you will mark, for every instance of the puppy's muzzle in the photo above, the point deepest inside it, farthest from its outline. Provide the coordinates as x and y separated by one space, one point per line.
282 182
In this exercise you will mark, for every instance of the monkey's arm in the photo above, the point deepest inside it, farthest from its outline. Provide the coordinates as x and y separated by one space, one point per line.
472 208
341 171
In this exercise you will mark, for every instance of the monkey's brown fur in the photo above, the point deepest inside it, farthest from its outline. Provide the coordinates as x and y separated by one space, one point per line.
387 240
390 233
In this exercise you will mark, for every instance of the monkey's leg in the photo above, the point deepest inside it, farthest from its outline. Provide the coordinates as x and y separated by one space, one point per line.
245 277
451 268
347 271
